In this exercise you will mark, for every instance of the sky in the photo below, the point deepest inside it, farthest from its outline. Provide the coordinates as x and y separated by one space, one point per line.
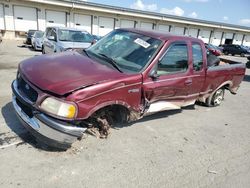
227 11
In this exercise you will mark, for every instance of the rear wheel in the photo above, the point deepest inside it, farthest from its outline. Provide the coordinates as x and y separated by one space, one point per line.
216 98
242 55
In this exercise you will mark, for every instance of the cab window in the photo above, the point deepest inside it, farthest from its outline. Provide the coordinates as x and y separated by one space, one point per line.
175 60
197 57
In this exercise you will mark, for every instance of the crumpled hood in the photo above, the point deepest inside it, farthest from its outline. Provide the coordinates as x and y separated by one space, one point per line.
62 73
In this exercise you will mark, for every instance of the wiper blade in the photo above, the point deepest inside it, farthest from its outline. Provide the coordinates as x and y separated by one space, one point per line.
85 51
111 61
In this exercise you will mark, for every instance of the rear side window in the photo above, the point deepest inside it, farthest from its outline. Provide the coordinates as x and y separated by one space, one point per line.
175 60
197 57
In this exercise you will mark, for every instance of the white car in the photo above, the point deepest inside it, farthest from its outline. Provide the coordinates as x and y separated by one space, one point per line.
37 40
59 39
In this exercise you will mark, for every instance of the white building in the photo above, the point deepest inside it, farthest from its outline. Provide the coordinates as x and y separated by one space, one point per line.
18 16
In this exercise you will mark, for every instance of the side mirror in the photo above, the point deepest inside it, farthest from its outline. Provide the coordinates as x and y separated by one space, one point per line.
153 74
51 38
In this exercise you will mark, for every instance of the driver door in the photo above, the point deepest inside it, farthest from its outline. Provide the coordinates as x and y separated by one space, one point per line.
169 88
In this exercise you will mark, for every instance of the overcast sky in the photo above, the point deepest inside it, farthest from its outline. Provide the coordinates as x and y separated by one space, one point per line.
228 11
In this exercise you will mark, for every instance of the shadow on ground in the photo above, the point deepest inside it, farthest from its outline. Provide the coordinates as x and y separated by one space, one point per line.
16 126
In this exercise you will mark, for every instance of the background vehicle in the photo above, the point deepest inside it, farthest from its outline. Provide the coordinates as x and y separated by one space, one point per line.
234 49
29 36
58 39
128 74
213 49
37 40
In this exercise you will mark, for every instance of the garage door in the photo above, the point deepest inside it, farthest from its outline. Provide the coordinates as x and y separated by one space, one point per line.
83 22
25 18
238 39
146 25
205 35
178 30
55 18
216 38
163 28
127 24
193 32
247 40
1 17
105 25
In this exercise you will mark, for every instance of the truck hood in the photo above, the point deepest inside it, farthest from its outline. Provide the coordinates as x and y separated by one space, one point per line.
62 73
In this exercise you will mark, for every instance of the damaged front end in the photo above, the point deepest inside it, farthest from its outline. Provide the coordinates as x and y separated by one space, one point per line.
49 130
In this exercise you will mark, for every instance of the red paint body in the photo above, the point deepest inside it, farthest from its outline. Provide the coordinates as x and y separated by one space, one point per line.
74 77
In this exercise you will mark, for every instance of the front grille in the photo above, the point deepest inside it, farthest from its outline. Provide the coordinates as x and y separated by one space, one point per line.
27 90
27 110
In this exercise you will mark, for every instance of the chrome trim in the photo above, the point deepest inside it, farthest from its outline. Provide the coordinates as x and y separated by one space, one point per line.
61 134
151 82
17 92
30 121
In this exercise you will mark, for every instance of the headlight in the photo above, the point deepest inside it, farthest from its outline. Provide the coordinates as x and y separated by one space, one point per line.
59 108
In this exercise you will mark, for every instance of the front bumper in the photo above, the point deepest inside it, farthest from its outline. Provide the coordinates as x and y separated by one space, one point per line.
53 132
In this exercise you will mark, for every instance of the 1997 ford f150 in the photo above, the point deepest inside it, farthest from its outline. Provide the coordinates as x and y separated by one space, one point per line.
127 74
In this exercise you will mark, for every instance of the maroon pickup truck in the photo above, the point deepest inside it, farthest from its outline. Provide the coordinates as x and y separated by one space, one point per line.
126 75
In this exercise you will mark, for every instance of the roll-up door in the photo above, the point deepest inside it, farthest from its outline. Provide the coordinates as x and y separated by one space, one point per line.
146 25
105 25
55 18
25 18
127 24
1 17
83 22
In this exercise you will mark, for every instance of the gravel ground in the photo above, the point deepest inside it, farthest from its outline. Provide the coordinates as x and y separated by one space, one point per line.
192 147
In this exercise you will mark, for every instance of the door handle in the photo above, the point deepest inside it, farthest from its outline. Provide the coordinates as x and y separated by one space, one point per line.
188 82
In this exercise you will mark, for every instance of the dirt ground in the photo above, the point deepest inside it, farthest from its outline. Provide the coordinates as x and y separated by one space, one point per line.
192 147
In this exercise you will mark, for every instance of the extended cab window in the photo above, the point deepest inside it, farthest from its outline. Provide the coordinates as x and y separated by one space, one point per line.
175 60
197 57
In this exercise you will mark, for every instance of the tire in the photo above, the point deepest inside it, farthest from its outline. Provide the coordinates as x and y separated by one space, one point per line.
242 55
43 51
226 52
233 54
216 98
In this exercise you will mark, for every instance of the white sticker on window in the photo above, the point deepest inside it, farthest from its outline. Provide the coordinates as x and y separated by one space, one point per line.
142 43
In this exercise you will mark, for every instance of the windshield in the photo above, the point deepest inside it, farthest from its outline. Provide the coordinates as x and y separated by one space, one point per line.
39 34
74 36
130 51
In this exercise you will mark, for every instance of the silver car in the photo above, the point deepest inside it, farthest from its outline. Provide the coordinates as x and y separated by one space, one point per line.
37 40
59 39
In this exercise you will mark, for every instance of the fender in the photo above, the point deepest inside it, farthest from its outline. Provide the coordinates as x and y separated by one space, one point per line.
230 83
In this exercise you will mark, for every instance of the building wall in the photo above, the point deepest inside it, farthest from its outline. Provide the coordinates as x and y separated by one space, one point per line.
101 22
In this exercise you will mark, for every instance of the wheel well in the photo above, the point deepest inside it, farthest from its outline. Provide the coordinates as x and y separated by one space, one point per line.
118 112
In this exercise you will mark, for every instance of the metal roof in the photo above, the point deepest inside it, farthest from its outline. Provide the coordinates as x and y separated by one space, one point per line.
219 24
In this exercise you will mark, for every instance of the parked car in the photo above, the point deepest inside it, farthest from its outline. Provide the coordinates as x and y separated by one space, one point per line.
29 36
213 49
234 49
59 39
128 74
37 40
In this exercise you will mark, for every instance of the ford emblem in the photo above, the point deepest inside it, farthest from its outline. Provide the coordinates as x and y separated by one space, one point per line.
27 86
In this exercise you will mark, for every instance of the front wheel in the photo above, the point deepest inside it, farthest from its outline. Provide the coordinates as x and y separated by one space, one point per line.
226 52
217 98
